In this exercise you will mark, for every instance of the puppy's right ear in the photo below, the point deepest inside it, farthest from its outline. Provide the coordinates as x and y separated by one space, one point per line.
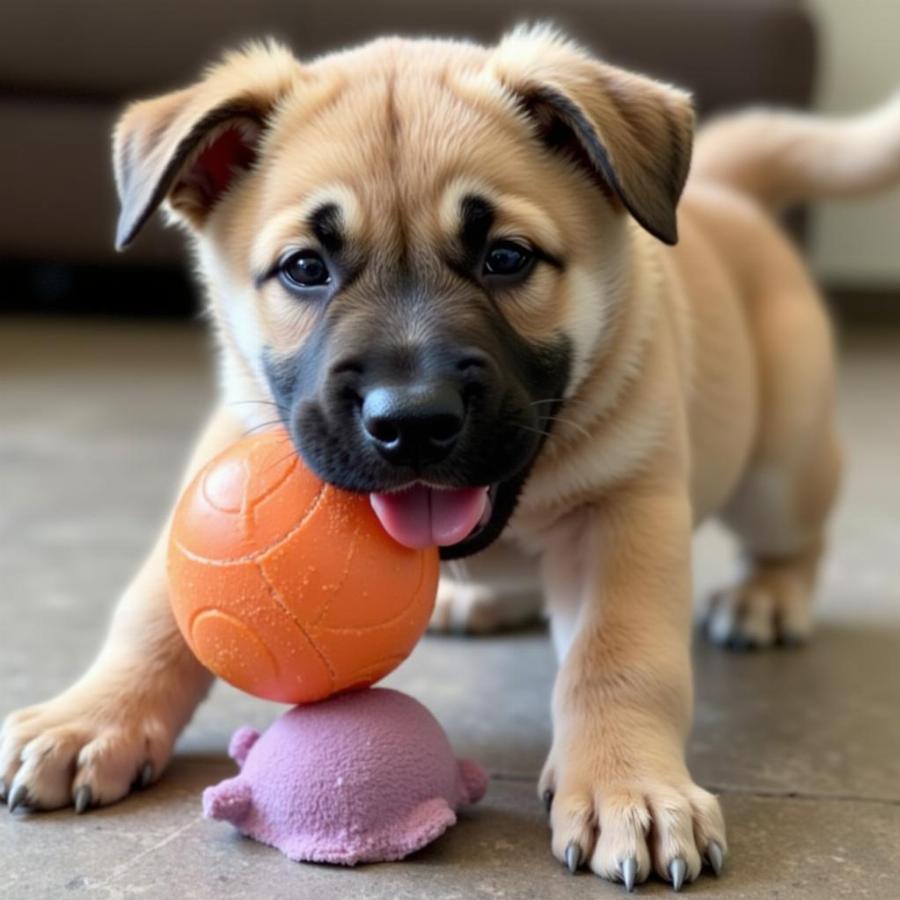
187 148
630 133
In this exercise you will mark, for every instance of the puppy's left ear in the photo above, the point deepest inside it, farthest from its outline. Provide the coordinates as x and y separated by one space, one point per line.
632 134
188 147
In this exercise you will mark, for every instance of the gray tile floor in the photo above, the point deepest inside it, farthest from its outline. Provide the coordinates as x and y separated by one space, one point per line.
803 747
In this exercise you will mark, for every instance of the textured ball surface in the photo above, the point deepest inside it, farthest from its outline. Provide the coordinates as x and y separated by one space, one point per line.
286 587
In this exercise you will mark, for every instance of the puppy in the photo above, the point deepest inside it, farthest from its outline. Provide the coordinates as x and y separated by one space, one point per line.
450 271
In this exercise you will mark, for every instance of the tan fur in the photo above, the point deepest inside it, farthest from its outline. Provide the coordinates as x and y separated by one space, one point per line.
701 383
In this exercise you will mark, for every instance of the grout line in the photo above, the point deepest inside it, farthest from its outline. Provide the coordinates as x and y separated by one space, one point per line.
737 791
513 776
763 794
122 868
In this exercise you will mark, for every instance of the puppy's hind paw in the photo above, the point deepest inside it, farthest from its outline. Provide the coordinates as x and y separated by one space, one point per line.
757 616
463 608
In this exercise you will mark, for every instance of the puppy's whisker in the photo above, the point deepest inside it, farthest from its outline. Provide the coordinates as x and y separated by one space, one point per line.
265 402
539 431
283 410
568 401
263 426
293 454
570 424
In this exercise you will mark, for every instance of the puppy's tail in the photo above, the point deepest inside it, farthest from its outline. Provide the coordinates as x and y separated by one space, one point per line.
785 158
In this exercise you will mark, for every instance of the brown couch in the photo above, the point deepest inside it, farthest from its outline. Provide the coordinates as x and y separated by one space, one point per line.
67 67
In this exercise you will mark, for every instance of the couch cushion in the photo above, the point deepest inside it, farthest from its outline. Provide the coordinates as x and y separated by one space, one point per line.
729 52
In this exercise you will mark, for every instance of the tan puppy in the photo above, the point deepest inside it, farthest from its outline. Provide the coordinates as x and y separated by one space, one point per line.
444 267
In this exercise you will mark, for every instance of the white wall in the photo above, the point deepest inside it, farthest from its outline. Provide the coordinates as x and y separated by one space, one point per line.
858 244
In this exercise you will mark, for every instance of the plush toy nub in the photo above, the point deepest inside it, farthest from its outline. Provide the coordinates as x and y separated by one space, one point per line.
362 777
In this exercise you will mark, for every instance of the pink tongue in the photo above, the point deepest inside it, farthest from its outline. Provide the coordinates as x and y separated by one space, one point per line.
420 516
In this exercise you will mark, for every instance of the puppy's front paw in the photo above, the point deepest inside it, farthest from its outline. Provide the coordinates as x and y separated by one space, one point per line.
87 748
625 826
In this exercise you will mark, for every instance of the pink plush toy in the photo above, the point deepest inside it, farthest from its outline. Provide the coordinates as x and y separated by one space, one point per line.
362 777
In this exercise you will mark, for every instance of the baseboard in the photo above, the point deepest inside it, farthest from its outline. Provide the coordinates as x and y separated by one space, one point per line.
870 307
120 291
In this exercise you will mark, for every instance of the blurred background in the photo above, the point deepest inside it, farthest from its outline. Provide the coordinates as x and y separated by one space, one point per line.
66 69
105 377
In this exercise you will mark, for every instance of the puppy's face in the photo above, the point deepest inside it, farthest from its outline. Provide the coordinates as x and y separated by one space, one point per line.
415 248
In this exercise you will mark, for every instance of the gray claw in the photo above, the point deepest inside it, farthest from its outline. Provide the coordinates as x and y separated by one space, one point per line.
146 775
548 800
573 857
741 643
18 796
677 871
716 857
83 799
2 791
629 873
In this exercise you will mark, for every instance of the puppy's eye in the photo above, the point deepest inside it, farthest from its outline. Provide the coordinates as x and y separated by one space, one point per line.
506 258
303 269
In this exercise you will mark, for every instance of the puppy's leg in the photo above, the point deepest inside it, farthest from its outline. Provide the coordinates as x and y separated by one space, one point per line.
116 725
497 589
621 798
779 510
778 515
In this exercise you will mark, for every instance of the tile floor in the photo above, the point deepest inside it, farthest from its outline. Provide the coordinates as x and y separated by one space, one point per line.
804 747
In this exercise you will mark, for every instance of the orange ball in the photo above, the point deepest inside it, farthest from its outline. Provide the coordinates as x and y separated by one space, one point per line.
289 588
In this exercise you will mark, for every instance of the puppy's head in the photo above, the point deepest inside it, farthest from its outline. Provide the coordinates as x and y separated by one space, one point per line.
415 248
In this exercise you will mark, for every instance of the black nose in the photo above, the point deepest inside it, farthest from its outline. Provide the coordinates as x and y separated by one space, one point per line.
413 425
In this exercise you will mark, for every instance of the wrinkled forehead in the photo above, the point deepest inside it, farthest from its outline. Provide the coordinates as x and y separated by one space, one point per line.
403 162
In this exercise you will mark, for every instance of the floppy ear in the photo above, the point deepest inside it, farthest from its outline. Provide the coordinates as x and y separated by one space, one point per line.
632 133
189 146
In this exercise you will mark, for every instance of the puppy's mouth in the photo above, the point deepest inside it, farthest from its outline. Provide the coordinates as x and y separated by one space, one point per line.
423 515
